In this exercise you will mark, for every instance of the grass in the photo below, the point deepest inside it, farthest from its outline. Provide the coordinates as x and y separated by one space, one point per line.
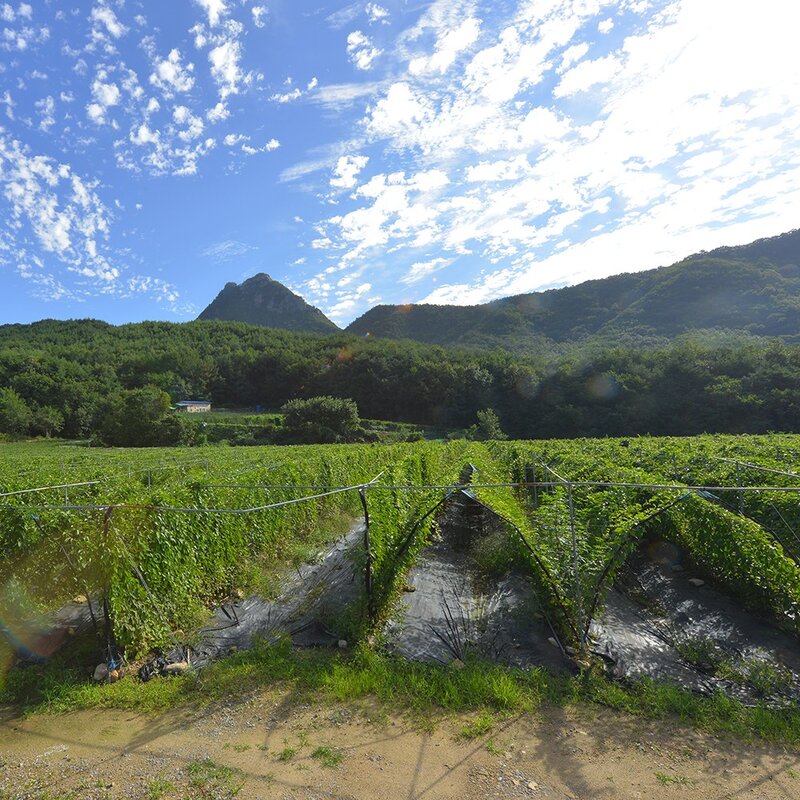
287 754
672 780
479 686
328 756
477 727
158 788
214 780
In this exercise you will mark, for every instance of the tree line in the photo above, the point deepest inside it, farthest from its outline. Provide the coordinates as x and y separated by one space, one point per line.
84 378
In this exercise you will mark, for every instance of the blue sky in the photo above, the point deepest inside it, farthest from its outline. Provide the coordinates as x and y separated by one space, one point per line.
381 152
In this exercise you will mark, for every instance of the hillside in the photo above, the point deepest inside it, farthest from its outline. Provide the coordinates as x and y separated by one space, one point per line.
263 301
752 290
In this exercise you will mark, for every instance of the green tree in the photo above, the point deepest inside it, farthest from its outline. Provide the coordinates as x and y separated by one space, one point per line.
15 416
47 420
322 420
488 427
135 418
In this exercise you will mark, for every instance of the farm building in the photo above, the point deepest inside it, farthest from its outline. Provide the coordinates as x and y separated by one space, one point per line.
193 406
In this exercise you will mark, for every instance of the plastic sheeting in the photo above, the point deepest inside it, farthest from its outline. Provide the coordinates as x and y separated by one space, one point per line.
448 610
662 621
311 608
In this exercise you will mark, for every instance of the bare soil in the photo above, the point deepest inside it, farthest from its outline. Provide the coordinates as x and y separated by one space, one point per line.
271 742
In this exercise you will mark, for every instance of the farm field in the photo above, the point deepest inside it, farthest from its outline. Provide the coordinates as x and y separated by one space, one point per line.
585 550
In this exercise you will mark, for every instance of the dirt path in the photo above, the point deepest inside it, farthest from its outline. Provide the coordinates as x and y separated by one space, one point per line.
273 747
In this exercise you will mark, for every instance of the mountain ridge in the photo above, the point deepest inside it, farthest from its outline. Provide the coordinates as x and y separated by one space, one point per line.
260 300
751 290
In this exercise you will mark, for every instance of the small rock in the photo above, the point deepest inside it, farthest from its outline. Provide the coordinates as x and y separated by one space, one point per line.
101 672
533 786
457 663
409 588
342 644
178 668
553 642
80 600
696 581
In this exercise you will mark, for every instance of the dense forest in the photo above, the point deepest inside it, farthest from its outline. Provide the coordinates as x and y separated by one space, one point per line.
83 378
753 290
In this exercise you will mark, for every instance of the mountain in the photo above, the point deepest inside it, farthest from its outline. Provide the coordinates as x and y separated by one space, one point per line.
263 301
752 290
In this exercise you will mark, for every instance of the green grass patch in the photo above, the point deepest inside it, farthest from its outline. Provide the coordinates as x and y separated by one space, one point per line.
287 754
480 726
210 779
328 756
672 780
479 686
158 789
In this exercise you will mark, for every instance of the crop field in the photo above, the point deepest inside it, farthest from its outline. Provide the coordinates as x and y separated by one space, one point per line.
163 536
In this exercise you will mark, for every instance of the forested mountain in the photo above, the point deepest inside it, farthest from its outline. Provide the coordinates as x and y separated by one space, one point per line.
750 290
82 377
263 301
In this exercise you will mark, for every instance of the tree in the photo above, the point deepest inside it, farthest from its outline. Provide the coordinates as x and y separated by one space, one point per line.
134 418
322 420
488 427
47 420
15 416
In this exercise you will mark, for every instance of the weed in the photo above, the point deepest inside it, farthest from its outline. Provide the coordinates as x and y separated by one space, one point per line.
158 788
479 726
328 756
287 754
214 780
672 780
702 653
493 747
241 748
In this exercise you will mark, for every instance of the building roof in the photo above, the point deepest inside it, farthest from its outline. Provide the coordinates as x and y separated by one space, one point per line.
193 403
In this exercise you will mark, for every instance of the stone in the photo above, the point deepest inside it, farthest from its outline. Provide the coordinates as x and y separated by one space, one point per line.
696 581
101 672
533 786
178 668
342 644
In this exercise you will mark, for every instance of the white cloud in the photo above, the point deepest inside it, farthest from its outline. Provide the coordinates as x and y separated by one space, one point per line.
361 51
422 269
218 113
227 250
346 171
53 211
377 14
232 139
587 74
192 126
105 16
344 16
47 109
606 26
171 76
259 16
268 147
287 97
216 9
225 67
449 45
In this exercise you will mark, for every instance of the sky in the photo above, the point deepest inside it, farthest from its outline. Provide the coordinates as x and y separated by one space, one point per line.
401 151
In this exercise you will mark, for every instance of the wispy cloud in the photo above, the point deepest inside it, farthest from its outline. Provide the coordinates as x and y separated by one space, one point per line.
227 250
